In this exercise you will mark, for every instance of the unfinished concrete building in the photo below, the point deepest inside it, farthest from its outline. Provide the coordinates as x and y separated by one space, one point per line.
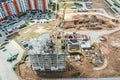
76 42
44 56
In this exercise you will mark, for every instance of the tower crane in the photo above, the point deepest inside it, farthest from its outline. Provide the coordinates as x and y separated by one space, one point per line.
63 20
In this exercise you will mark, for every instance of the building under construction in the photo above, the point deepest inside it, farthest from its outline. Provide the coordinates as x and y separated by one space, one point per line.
44 56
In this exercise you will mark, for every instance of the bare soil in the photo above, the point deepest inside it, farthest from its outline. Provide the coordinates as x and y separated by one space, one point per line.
114 55
71 72
27 73
85 69
32 31
90 22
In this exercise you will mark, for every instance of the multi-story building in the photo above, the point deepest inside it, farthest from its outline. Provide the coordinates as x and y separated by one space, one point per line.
44 56
35 5
40 7
6 9
22 5
2 13
13 7
16 7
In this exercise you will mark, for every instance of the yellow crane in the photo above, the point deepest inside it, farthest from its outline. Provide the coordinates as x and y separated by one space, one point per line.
58 40
63 20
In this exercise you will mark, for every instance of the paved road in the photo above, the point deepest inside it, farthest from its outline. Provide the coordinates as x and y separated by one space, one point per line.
101 12
6 72
2 39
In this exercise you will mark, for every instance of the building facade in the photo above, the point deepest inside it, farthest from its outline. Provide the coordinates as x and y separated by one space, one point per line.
44 55
2 13
16 7
48 61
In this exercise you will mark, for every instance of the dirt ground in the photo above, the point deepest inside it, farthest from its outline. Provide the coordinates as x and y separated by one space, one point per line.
32 31
27 73
84 70
114 46
74 70
90 22
102 4
71 72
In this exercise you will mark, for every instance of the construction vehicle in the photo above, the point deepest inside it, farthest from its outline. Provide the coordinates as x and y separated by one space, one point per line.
14 57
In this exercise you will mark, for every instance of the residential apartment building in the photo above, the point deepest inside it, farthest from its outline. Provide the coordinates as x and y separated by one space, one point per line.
2 13
16 7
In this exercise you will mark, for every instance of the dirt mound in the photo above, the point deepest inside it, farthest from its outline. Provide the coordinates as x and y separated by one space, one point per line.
90 22
114 47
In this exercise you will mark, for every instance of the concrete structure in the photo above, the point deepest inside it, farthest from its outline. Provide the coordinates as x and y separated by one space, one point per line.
12 8
44 56
76 42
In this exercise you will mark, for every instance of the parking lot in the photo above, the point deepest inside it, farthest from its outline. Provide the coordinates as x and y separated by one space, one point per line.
6 71
3 37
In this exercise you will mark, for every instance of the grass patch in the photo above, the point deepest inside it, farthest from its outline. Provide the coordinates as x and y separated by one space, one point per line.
12 36
24 56
13 23
23 14
2 48
116 3
17 70
0 35
23 26
33 12
27 23
70 5
108 3
115 10
4 44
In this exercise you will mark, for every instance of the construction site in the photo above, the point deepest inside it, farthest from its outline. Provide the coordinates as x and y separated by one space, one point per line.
75 45
90 22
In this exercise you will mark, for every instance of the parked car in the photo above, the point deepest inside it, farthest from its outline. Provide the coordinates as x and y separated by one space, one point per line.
6 39
4 50
24 43
6 33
